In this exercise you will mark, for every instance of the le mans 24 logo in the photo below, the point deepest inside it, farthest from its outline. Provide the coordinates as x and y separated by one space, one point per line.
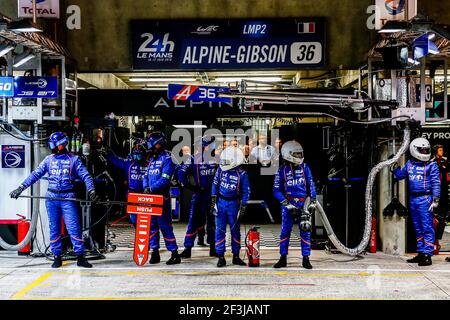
156 48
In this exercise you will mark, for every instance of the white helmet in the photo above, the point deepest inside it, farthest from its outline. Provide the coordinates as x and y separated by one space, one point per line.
420 149
292 151
231 158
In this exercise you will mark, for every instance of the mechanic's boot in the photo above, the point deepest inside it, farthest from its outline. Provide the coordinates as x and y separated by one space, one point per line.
238 261
212 251
426 261
57 262
282 263
174 259
82 262
186 254
222 262
306 264
201 241
155 257
416 259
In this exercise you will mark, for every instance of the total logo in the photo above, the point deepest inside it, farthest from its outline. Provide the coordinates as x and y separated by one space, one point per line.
394 7
206 30
156 48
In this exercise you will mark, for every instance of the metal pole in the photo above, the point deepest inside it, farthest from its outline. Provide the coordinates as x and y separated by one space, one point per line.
445 89
34 11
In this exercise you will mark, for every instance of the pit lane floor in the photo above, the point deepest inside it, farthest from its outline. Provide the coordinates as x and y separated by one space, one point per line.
335 276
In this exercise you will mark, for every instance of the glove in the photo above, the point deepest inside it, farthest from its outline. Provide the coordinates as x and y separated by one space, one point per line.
312 206
147 190
241 212
434 205
394 167
288 205
93 196
16 193
214 205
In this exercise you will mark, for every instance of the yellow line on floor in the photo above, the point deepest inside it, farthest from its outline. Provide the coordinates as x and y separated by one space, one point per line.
290 274
32 285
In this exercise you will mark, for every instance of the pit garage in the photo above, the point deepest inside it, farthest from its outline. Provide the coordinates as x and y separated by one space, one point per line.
248 84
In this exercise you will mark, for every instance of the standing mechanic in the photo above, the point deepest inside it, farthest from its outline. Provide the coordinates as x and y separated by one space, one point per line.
157 180
230 194
293 184
202 168
62 168
424 193
442 210
135 167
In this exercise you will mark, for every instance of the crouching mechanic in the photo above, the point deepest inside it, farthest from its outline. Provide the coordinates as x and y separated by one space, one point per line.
202 168
293 184
424 192
135 167
157 180
230 194
62 168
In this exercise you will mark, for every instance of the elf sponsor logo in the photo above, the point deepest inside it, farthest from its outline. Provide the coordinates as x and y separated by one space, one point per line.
153 171
137 176
295 182
207 172
156 48
228 186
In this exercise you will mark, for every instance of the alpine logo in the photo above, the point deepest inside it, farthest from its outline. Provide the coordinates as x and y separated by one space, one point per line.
206 30
12 160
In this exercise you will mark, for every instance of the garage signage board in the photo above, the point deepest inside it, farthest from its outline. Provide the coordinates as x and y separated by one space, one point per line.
184 92
44 8
13 157
290 43
36 87
6 87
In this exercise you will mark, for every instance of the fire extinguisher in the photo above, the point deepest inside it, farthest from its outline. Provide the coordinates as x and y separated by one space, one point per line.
373 236
437 246
23 226
252 245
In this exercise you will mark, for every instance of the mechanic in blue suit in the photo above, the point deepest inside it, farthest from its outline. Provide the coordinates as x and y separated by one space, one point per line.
230 194
424 192
202 167
157 180
135 167
62 168
293 184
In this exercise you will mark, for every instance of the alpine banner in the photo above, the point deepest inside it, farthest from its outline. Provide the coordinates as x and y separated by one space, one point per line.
292 43
196 93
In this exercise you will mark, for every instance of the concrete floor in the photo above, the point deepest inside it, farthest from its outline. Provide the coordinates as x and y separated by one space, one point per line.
335 276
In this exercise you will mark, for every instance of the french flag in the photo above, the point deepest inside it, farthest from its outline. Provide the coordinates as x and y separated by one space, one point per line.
307 27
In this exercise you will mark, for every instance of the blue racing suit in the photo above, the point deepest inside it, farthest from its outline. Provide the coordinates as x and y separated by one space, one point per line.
424 185
203 173
232 189
135 175
293 183
62 171
157 178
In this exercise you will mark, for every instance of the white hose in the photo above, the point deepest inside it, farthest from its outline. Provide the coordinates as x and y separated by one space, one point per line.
369 191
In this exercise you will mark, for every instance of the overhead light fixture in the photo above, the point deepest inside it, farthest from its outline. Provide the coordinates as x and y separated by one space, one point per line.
393 26
5 48
190 126
23 58
163 79
24 25
239 79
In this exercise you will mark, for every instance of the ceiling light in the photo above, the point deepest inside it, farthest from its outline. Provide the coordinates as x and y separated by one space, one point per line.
24 26
431 36
190 126
23 58
163 79
239 79
5 48
393 26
